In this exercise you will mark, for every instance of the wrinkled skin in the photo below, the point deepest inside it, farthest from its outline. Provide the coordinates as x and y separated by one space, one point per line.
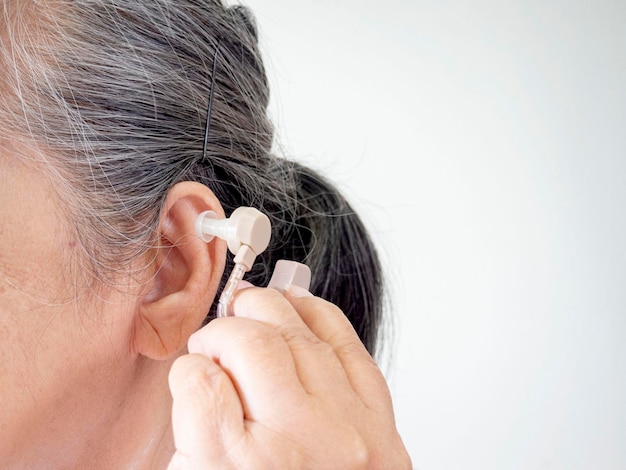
287 381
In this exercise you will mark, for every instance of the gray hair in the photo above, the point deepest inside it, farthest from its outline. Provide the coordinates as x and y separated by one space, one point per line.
115 94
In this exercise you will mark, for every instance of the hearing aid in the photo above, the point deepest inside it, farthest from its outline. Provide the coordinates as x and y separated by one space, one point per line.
247 233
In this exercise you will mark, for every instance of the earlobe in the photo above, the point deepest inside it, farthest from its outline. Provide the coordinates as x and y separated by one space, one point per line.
187 273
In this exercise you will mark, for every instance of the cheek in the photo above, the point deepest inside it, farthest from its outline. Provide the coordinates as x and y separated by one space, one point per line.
44 334
62 341
35 282
59 347
57 353
35 262
33 351
38 317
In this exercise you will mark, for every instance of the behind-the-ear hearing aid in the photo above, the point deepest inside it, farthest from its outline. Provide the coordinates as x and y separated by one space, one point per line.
247 233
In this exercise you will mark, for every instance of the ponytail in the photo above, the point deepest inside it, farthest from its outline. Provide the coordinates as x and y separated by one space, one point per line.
313 223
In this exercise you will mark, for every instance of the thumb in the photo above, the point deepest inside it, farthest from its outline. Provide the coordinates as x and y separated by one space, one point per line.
207 416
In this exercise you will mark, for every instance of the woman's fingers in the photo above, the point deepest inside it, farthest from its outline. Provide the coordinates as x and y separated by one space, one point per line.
270 307
207 416
278 386
316 364
328 323
258 362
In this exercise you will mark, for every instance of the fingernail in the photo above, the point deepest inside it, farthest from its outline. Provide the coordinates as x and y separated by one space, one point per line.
297 291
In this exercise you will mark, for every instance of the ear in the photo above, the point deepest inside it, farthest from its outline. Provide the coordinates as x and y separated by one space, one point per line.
187 273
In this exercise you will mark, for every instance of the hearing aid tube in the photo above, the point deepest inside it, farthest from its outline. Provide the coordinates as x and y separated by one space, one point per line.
223 306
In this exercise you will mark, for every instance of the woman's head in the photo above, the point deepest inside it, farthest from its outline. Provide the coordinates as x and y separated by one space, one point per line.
102 121
113 95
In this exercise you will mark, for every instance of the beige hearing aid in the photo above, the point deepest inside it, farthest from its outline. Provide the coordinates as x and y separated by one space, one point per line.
290 273
247 233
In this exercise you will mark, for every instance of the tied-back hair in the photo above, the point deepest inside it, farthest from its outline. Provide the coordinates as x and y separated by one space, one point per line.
115 92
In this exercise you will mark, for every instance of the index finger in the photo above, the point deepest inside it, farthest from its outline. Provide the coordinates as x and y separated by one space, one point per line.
329 324
318 369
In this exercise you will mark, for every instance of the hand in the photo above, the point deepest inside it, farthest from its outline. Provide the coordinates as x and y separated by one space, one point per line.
285 383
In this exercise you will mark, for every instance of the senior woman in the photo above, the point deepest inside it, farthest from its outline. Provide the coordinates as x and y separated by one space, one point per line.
110 353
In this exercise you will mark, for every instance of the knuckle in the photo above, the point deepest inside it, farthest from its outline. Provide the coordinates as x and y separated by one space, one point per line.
358 453
260 338
301 337
194 371
184 365
204 334
254 296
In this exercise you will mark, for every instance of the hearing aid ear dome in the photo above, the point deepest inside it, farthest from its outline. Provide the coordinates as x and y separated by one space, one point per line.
203 233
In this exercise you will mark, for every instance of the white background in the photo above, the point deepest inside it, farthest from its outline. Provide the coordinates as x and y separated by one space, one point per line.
485 144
